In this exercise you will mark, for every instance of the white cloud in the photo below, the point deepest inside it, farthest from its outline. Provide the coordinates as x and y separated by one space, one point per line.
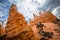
41 1
1 14
11 1
56 12
27 7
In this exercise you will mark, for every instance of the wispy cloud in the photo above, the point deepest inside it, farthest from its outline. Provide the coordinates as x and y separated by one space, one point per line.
56 12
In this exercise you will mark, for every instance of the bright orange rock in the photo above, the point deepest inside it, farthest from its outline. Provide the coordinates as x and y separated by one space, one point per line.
17 28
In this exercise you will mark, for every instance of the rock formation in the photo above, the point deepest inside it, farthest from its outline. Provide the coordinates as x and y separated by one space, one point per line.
47 16
50 23
16 26
44 27
2 29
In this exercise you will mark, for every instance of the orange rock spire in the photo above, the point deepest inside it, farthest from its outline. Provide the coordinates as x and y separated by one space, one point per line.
16 27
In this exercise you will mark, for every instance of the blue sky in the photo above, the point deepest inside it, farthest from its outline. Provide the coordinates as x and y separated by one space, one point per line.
27 8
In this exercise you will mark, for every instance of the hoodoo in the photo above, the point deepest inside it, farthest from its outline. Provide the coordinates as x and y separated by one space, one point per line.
16 27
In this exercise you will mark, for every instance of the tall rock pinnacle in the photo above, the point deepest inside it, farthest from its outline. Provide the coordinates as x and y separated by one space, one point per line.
16 26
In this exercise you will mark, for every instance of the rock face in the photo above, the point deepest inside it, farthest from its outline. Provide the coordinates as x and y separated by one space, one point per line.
47 16
50 23
16 27
50 31
53 28
2 29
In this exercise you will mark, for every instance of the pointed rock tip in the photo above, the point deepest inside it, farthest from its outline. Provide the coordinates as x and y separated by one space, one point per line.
49 12
34 15
13 6
39 13
30 20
